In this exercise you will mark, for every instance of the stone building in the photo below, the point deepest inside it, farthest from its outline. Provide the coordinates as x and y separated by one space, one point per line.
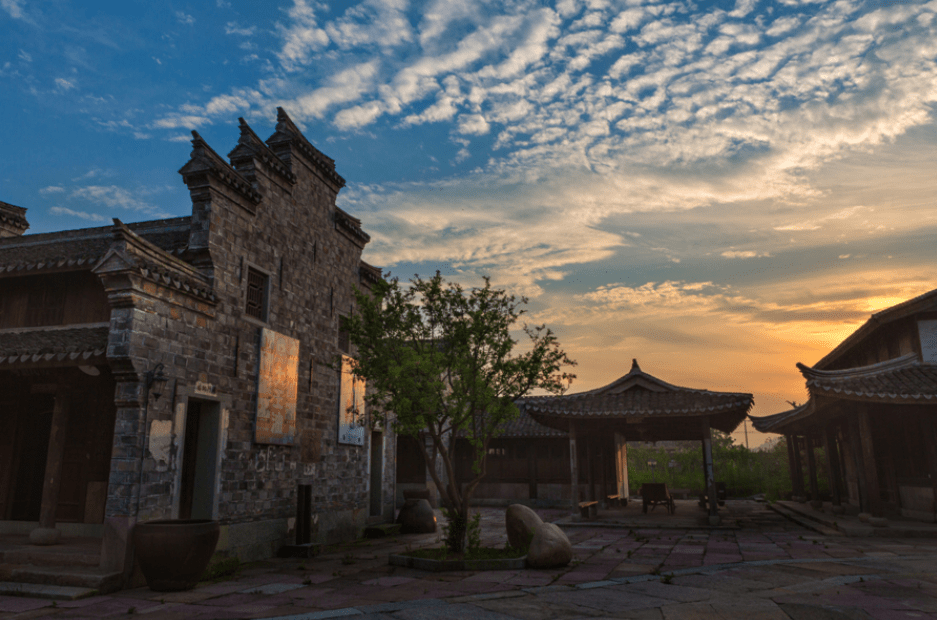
185 367
873 407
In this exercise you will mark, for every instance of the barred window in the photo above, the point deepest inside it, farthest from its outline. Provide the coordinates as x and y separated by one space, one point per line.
256 294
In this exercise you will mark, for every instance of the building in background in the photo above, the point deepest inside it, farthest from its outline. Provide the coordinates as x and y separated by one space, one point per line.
873 407
184 368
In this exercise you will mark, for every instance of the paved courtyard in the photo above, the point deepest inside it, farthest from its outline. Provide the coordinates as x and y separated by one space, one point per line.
762 566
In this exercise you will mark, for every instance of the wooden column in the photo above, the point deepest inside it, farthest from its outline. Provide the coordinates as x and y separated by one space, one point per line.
868 463
812 472
789 440
590 466
604 461
46 534
532 448
573 471
855 450
799 493
709 475
832 460
621 467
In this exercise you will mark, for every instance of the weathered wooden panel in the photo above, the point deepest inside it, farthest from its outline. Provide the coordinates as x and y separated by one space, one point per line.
277 388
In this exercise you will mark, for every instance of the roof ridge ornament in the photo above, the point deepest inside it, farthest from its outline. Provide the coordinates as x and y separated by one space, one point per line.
634 365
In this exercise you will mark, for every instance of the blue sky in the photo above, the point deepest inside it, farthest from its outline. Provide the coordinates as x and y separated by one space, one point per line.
718 189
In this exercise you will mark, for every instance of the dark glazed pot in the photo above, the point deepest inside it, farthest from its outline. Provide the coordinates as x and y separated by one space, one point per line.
173 553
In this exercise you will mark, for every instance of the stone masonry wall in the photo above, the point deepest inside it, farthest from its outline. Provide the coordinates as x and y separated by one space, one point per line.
290 234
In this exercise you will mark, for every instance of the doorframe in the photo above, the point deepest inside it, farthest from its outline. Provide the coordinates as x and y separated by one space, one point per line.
185 393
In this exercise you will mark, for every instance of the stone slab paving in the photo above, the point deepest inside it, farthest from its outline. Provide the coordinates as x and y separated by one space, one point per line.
766 567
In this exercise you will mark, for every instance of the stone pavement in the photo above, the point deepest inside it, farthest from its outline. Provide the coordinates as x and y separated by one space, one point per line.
766 567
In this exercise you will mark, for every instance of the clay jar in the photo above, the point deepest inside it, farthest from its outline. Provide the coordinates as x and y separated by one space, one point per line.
173 553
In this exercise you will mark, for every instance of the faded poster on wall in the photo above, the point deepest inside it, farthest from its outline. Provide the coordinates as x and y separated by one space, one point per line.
351 419
276 389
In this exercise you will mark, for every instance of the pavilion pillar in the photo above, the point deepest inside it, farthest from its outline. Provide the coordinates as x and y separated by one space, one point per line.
621 467
590 465
798 472
573 471
868 462
815 502
46 533
708 474
532 470
789 440
836 476
603 459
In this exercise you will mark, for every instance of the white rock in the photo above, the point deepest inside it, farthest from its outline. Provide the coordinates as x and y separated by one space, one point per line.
520 522
550 548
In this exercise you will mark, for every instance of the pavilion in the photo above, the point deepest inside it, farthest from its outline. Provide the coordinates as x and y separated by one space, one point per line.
636 407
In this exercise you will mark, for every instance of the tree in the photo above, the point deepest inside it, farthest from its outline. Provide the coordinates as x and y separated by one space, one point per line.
438 360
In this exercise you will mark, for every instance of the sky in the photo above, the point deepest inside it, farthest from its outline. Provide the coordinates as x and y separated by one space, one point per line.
718 189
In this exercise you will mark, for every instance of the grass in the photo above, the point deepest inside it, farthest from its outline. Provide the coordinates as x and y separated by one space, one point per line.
480 553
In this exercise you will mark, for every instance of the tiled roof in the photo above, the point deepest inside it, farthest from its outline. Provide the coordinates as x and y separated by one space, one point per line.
53 345
639 402
85 246
638 394
768 423
525 426
902 379
13 216
926 302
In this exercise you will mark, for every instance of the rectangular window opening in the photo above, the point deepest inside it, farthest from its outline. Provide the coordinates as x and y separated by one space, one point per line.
256 294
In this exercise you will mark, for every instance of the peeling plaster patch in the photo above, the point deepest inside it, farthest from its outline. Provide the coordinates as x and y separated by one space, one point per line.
160 441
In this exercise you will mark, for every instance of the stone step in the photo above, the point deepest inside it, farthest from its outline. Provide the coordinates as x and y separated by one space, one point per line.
99 579
51 556
52 593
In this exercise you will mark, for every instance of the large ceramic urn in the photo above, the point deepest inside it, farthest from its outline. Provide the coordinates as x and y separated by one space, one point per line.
173 553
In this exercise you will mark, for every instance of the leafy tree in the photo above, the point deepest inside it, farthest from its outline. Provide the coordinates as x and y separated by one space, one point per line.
438 360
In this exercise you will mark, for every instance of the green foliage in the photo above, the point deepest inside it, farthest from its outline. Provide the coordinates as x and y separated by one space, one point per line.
474 531
438 360
222 568
745 472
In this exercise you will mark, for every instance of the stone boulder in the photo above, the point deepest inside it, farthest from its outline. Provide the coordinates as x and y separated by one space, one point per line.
550 548
417 517
520 522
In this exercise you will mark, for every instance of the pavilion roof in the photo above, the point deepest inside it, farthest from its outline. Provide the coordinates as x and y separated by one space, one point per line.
54 346
640 398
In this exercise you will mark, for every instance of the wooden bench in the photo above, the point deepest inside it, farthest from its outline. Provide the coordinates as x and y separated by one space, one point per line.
654 494
613 501
588 509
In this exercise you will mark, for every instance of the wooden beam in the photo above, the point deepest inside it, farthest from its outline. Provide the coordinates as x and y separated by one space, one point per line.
46 534
832 460
812 473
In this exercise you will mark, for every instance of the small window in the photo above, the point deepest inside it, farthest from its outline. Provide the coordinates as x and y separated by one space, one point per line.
344 345
256 294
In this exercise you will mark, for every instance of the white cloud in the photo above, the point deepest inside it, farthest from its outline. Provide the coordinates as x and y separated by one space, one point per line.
93 217
52 189
24 56
743 254
473 124
14 8
184 18
113 196
174 121
302 38
233 28
64 84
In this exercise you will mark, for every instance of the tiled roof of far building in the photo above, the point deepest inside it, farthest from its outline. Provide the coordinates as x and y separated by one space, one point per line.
85 246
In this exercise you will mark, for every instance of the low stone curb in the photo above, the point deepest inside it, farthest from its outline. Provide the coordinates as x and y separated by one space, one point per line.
438 566
805 521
